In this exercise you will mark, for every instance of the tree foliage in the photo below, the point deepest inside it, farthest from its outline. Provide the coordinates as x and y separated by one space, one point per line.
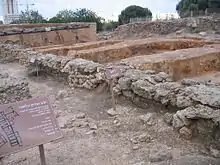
78 15
110 25
30 16
184 7
133 11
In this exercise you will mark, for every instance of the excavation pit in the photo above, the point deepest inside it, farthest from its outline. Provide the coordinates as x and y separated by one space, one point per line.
63 50
111 51
180 63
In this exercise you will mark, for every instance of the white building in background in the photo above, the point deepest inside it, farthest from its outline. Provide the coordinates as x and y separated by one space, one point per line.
165 16
10 10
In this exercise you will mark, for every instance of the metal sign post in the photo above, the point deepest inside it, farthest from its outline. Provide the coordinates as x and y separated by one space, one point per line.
111 74
113 96
42 155
1 161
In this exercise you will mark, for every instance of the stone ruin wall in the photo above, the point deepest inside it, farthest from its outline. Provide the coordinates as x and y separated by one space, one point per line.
12 89
195 105
147 29
48 34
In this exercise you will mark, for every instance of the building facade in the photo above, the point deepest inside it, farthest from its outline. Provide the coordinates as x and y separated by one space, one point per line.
10 10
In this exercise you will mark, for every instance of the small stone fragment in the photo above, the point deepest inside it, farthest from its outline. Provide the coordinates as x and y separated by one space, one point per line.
4 75
141 138
62 125
185 133
69 123
214 152
111 112
61 94
147 119
160 155
81 116
91 132
140 163
168 118
136 147
58 114
115 121
93 126
134 141
144 138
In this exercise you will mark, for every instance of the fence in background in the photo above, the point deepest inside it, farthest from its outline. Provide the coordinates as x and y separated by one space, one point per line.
140 19
207 12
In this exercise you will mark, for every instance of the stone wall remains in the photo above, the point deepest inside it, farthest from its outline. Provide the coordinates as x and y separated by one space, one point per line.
146 29
195 105
78 72
12 89
48 34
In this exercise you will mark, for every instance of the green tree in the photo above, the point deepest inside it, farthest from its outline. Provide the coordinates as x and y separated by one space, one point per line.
184 7
30 16
78 15
63 16
133 11
110 25
214 3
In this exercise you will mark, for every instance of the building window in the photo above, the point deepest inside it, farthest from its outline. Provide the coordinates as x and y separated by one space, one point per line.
12 6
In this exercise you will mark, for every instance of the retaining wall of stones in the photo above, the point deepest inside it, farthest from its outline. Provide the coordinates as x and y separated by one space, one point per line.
196 104
77 72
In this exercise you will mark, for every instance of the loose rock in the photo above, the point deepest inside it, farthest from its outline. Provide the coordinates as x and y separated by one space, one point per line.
185 133
168 118
160 155
81 116
111 112
147 119
214 152
93 126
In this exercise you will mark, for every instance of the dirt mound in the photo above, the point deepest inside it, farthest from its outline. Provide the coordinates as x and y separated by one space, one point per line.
154 28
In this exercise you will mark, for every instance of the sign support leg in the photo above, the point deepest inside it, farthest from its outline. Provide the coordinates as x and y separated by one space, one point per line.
1 161
42 155
113 97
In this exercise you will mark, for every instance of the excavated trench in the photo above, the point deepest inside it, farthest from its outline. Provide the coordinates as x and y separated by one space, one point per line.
109 51
180 58
180 64
62 50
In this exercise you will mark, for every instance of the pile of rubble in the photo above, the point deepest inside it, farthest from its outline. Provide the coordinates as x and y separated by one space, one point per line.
147 29
12 89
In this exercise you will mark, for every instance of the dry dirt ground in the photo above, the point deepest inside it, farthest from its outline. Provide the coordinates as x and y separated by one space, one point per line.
93 137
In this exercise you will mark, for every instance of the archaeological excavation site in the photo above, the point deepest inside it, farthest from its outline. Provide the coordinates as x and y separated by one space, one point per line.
167 90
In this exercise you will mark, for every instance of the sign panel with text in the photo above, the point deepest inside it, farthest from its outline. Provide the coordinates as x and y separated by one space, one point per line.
27 124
